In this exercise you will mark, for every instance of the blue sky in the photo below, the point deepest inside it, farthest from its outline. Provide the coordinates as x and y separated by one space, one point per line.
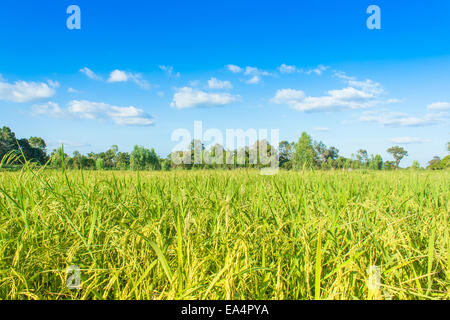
138 70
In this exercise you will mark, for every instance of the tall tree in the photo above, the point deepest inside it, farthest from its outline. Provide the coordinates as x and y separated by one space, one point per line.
415 165
435 164
7 141
286 151
362 157
38 143
142 158
398 153
376 162
304 155
59 158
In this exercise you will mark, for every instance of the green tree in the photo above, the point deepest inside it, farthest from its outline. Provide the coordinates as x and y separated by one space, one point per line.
434 164
389 165
415 165
59 158
304 155
445 163
7 141
286 152
100 164
122 160
398 153
165 165
362 157
142 158
376 162
37 143
77 160
325 156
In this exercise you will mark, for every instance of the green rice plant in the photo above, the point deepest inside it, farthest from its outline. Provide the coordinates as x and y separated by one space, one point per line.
224 234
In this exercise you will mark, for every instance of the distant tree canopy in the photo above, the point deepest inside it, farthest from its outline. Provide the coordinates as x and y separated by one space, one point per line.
398 153
142 158
32 149
304 154
437 164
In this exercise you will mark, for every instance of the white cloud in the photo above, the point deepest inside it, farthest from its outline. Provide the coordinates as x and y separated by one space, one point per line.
318 70
123 76
288 96
293 69
187 97
215 83
90 74
72 90
254 74
118 76
437 106
409 140
252 71
233 68
322 129
254 80
287 69
400 119
358 95
23 91
169 71
50 108
129 116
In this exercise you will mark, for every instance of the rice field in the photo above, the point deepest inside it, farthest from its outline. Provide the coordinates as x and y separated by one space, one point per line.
225 234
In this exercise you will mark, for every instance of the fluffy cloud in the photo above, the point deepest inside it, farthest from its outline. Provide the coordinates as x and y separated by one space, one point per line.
50 108
253 73
318 70
123 76
233 68
288 96
215 83
358 95
409 140
169 71
128 116
400 119
293 69
189 98
23 91
287 69
119 76
437 106
90 74
254 80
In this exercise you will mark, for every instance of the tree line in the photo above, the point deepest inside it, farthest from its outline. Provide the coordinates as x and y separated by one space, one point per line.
303 154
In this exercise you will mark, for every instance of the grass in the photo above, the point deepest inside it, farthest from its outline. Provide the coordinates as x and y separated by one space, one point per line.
224 234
